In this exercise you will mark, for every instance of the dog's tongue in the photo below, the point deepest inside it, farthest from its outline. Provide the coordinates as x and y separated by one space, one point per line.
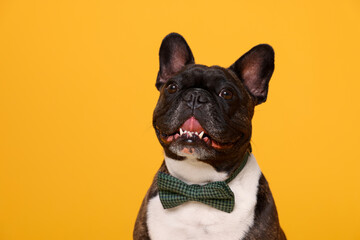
192 125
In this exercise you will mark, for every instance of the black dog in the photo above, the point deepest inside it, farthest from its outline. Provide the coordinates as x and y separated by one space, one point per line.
209 185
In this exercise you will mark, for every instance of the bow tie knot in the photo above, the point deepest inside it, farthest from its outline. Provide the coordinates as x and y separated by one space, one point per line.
174 192
214 190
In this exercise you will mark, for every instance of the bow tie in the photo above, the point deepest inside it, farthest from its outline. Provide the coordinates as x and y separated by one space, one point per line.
174 192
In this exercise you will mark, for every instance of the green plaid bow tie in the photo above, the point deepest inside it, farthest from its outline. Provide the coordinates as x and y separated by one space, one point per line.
174 192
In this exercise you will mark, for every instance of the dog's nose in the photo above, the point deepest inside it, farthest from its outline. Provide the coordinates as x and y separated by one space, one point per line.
195 98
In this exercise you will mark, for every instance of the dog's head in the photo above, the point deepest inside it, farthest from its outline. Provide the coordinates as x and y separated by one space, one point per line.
205 112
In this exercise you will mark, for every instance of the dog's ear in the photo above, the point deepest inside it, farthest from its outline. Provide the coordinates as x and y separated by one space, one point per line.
174 54
255 69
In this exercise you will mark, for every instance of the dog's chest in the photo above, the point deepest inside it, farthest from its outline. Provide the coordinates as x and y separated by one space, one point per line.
194 220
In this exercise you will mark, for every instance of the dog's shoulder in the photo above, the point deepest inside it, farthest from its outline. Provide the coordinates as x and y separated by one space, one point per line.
266 223
141 228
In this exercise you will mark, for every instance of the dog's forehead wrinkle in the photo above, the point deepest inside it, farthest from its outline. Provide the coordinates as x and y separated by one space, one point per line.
202 75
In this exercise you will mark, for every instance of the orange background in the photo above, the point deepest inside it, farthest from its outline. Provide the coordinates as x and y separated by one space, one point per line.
77 149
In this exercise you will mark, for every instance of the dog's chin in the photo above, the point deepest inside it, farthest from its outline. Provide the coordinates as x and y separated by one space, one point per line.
191 148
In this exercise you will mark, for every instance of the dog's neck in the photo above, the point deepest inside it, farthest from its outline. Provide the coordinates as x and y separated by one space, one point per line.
192 171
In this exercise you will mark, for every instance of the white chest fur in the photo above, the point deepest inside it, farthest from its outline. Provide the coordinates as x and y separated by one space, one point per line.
194 220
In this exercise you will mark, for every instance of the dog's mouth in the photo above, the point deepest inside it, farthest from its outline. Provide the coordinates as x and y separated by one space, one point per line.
191 132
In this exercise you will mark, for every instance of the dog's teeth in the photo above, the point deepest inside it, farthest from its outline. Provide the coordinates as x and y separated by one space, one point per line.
196 133
181 132
190 134
201 134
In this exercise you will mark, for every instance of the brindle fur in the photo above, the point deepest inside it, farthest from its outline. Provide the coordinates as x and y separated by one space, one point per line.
250 75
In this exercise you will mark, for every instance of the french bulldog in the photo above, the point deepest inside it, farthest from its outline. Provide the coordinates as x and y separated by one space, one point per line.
209 185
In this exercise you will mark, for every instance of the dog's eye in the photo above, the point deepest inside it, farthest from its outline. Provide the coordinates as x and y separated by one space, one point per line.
172 88
226 94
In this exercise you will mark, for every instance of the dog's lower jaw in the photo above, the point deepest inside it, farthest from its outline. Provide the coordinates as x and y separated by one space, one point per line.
192 152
